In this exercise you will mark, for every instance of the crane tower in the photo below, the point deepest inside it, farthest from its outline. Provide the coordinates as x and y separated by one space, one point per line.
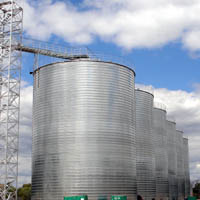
11 15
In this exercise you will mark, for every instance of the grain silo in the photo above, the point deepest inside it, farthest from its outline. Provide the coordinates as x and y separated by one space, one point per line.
161 156
145 159
83 131
180 164
186 167
172 159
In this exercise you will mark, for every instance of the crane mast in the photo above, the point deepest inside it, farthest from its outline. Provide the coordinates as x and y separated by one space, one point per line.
11 15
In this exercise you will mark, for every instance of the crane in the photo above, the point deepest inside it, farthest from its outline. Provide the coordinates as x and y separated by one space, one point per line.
12 44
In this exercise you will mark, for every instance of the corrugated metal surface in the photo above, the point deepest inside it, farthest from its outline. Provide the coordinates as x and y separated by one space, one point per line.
83 131
172 159
145 164
160 145
186 166
180 164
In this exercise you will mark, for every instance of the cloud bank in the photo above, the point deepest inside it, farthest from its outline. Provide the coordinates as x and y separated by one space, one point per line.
25 139
128 24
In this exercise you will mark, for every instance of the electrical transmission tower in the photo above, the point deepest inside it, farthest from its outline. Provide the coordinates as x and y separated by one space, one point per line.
11 16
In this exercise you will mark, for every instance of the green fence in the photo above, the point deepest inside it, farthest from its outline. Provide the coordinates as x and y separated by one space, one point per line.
119 197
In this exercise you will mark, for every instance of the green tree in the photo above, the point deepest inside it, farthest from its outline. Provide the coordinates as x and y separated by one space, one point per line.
24 193
196 190
11 190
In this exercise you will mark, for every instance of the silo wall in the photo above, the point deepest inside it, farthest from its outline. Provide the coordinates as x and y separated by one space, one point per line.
145 159
172 160
186 167
180 164
161 156
83 131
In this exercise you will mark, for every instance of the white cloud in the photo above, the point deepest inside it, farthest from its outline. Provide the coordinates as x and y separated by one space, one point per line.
25 132
198 165
24 170
129 24
191 40
194 170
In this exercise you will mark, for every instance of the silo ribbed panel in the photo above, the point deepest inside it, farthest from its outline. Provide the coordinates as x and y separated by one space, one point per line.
145 160
186 167
83 131
161 156
180 164
172 160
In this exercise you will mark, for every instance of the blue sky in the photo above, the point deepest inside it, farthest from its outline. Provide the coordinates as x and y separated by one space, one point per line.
166 67
160 39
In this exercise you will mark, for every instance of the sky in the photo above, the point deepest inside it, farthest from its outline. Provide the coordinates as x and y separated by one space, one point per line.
159 39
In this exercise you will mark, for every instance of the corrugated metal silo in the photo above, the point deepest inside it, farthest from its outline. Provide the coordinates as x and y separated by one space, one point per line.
161 156
83 131
180 164
186 166
145 160
172 159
